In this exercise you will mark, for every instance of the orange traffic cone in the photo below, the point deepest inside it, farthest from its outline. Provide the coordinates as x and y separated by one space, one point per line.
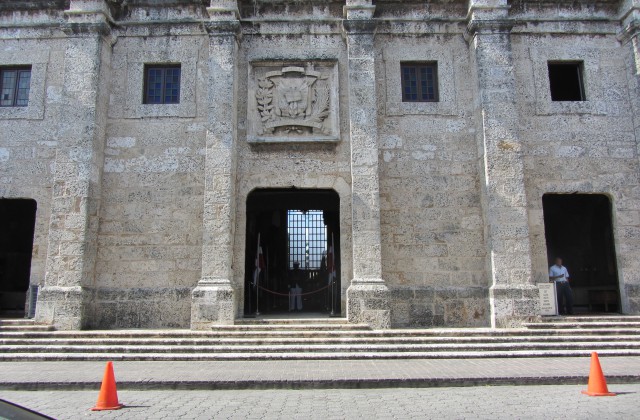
597 384
108 397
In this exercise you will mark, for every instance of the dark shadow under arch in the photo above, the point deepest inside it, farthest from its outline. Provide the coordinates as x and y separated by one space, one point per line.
17 226
579 229
281 218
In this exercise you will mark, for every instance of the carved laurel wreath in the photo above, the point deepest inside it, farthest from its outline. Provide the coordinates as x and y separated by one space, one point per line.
264 96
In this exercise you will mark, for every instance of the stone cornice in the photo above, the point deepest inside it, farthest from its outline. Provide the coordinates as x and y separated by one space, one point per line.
630 31
223 28
489 27
359 26
85 28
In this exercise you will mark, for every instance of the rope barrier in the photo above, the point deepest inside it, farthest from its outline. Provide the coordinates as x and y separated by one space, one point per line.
295 294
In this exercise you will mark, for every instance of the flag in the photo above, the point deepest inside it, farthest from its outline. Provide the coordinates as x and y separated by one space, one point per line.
259 264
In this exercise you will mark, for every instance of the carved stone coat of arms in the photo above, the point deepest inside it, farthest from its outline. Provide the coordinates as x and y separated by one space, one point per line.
293 103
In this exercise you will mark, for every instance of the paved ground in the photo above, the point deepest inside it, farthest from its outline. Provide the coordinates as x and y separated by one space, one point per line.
301 374
490 402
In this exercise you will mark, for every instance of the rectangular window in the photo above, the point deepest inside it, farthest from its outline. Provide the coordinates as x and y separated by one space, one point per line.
419 82
307 238
162 84
14 86
565 81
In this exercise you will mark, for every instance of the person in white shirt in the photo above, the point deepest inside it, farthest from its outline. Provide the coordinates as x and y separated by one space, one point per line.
560 275
295 291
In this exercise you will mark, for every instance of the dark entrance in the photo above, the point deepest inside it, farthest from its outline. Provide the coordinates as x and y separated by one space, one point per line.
293 237
578 229
17 224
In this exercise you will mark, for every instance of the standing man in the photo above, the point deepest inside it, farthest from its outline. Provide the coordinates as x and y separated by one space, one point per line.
559 274
295 291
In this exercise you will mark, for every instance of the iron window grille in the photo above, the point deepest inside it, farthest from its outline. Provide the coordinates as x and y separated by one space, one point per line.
162 84
307 238
419 82
14 86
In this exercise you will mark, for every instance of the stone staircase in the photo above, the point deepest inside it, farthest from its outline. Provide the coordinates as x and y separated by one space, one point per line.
323 338
22 325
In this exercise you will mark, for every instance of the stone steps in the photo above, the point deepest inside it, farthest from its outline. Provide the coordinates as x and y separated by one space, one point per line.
344 340
257 356
331 338
325 348
22 324
292 321
587 325
590 318
311 332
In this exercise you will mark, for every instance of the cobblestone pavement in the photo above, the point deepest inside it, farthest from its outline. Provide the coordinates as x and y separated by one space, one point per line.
290 374
490 402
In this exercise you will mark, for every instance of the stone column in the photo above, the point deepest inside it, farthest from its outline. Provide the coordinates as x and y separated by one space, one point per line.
213 298
367 296
629 268
65 299
513 296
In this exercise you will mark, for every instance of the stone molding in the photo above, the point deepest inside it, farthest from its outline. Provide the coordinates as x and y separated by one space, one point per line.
447 103
359 27
223 10
38 60
594 90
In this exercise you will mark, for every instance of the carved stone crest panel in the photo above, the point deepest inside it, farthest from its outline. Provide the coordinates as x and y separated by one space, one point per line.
293 102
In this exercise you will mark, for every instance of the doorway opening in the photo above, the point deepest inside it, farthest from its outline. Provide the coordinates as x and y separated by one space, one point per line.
17 224
292 263
578 229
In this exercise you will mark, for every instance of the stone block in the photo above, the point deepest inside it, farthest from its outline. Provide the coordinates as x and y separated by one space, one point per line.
368 303
212 303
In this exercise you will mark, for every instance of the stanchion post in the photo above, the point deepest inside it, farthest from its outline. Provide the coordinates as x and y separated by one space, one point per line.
258 295
332 297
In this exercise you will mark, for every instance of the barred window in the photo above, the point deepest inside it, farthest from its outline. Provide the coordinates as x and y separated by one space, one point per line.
419 82
162 84
307 237
14 86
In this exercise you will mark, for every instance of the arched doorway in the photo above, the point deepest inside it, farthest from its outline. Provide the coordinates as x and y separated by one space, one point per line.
292 252
17 224
578 229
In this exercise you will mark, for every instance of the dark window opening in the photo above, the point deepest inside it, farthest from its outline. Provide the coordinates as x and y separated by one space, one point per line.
17 224
293 238
566 82
578 228
14 86
162 84
419 82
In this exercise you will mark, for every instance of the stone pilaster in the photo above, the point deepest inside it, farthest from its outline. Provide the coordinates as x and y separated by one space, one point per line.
629 36
367 296
65 299
513 296
213 298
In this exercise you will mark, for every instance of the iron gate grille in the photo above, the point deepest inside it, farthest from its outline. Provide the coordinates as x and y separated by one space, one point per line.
307 236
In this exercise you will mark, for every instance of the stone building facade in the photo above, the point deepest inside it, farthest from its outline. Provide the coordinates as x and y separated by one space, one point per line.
142 216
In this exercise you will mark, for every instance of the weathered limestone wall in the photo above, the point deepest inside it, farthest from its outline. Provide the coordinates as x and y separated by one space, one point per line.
29 138
142 208
65 300
432 226
584 147
628 35
151 221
